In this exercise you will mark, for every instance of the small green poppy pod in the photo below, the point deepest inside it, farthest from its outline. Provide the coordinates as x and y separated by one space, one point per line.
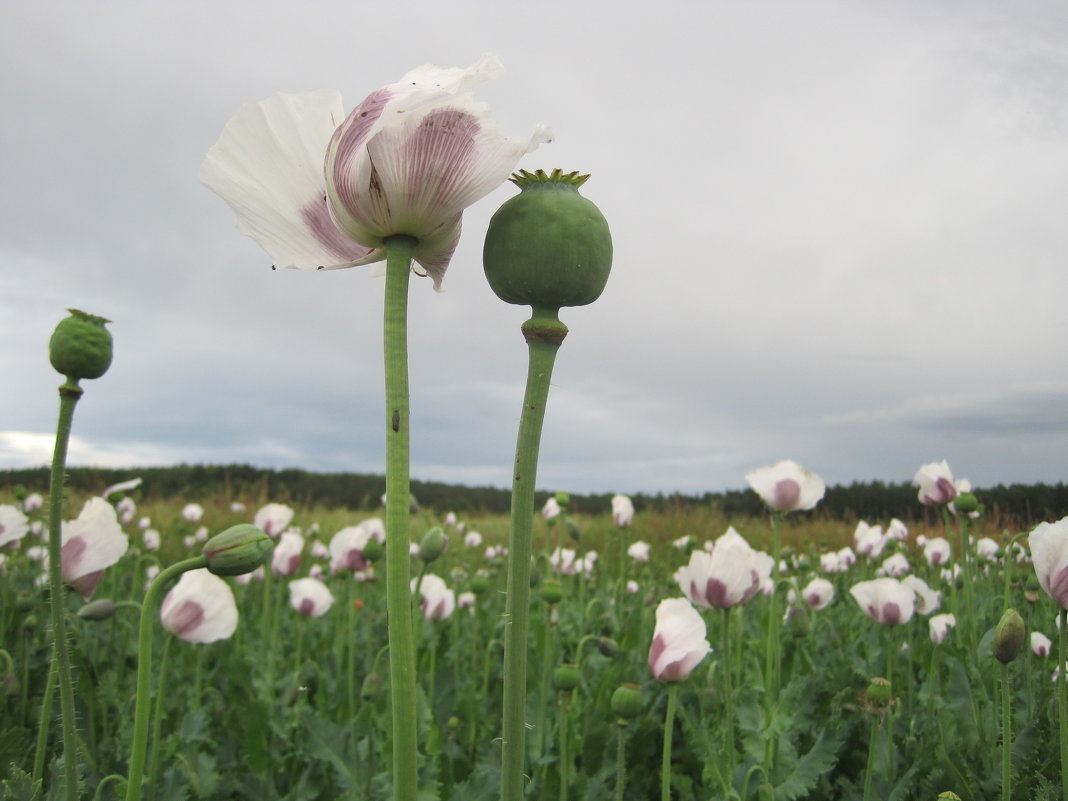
81 346
627 701
1010 636
566 677
548 246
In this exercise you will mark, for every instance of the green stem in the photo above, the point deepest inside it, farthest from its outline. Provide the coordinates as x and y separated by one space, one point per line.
398 490
728 722
69 393
46 719
1006 735
621 760
142 706
157 720
1062 705
544 332
771 654
669 725
870 769
565 756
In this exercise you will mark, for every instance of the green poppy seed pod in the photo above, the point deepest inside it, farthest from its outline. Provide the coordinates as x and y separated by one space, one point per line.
563 500
548 246
607 646
552 592
372 550
479 584
100 609
81 346
879 692
238 550
566 677
627 701
966 503
1009 636
433 544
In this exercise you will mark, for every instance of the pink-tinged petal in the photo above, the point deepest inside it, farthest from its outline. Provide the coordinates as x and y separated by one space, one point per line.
679 642
90 544
200 608
268 167
787 493
185 618
891 614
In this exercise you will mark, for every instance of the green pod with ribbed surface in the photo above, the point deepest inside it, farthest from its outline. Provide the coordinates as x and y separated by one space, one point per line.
81 346
548 246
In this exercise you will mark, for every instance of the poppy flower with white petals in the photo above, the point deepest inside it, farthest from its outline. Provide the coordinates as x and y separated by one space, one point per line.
787 487
936 483
679 640
321 190
1049 552
273 518
13 525
438 601
622 510
885 600
310 597
200 608
91 543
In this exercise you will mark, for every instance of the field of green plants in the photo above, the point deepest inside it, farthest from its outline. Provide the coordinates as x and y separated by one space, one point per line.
804 694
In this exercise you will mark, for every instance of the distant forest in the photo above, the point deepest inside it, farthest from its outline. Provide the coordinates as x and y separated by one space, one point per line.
1016 506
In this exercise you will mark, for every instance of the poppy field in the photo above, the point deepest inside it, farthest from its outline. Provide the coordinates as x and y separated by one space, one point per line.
668 652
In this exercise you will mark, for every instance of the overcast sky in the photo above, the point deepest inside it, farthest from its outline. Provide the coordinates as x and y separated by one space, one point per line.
840 238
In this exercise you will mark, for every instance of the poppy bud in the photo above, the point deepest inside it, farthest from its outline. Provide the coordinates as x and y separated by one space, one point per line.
479 584
433 544
548 246
100 609
372 550
372 685
81 346
238 550
966 503
552 592
1009 637
627 701
572 529
607 646
566 677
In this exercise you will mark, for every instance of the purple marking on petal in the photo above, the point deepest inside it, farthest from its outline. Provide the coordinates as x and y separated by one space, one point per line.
716 594
891 614
944 490
186 618
353 560
813 599
316 215
70 557
787 495
85 585
1058 586
350 141
307 606
440 155
655 650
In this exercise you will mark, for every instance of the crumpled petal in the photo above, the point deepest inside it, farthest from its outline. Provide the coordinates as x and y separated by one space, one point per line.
268 166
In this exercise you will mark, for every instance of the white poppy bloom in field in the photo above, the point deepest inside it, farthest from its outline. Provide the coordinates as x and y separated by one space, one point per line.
551 508
200 608
895 565
286 557
639 551
679 640
787 487
937 551
987 548
939 626
868 540
472 539
936 483
273 518
927 600
1041 645
32 502
1049 552
321 190
622 511
13 525
90 544
347 545
310 597
897 530
818 593
438 600
885 600
732 574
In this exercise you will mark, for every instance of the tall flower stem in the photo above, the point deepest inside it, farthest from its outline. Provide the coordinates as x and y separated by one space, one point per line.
1006 735
398 491
69 393
543 332
142 705
728 722
669 725
771 653
1062 701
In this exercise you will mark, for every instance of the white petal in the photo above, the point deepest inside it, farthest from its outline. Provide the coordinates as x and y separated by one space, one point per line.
268 166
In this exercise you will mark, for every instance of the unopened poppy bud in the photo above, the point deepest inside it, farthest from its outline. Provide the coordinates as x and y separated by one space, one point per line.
552 592
433 544
572 529
566 677
966 503
627 701
1009 637
372 550
607 646
548 246
372 685
100 609
81 346
238 550
479 584
563 500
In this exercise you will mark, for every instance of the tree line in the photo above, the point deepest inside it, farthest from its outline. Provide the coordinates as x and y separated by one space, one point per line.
1014 506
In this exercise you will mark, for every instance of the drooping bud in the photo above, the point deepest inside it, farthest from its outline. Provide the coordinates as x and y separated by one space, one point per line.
100 609
433 544
627 701
238 550
548 246
607 646
81 346
1009 637
566 677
